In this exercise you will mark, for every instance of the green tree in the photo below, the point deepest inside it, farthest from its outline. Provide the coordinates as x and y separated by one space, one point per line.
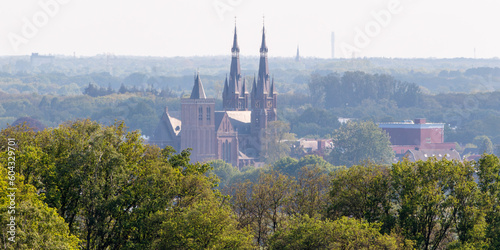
224 171
310 193
303 232
435 198
362 192
277 141
292 167
261 205
37 226
359 141
204 225
109 187
489 183
484 144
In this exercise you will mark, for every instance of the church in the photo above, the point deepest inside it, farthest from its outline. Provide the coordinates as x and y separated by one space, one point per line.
233 134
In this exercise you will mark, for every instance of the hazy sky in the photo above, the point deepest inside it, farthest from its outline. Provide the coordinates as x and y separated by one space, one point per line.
371 28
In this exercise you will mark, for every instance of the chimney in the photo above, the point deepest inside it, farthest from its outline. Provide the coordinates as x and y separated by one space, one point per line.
321 144
419 121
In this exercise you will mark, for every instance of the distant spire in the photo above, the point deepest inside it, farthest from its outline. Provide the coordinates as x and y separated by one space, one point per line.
263 76
235 70
254 86
198 91
297 58
244 87
263 46
225 91
235 47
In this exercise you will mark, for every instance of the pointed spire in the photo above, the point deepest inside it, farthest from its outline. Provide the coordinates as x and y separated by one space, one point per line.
263 77
297 58
254 86
198 91
225 91
263 46
244 87
235 71
235 47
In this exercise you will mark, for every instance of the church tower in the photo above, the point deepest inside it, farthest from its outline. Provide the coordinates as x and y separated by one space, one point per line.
198 123
235 96
263 96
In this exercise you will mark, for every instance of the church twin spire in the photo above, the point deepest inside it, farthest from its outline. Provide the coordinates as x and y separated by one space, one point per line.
235 93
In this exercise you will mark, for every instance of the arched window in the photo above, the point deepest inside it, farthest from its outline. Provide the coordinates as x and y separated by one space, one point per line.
200 113
224 151
208 113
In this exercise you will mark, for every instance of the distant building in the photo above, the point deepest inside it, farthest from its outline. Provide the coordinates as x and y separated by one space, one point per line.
418 154
233 135
333 44
312 147
37 60
297 57
416 135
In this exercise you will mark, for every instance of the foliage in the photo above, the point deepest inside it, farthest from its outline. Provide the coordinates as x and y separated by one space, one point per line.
314 121
485 146
277 141
358 141
260 205
205 225
352 88
489 183
113 190
37 226
310 193
303 232
362 192
435 198
224 171
291 166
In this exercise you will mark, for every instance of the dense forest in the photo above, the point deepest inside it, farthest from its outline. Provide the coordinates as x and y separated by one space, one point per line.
87 185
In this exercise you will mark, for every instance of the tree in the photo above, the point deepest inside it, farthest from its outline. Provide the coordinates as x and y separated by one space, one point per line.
292 167
111 189
310 193
489 184
277 141
260 205
37 226
205 225
484 144
434 198
358 141
362 192
224 171
303 232
315 121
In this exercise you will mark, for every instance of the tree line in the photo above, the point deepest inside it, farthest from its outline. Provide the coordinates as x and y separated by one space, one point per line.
86 185
352 87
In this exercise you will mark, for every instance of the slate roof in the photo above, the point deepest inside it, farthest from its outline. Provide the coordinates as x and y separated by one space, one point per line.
424 154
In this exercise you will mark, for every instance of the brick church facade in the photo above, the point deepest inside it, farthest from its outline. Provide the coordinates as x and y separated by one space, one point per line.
234 134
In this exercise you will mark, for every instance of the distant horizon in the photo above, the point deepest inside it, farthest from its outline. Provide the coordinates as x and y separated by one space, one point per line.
364 28
255 56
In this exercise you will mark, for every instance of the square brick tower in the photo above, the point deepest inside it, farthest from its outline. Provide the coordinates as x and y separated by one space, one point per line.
198 124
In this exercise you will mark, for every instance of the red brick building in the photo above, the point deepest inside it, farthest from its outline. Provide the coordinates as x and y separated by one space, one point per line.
234 134
416 134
